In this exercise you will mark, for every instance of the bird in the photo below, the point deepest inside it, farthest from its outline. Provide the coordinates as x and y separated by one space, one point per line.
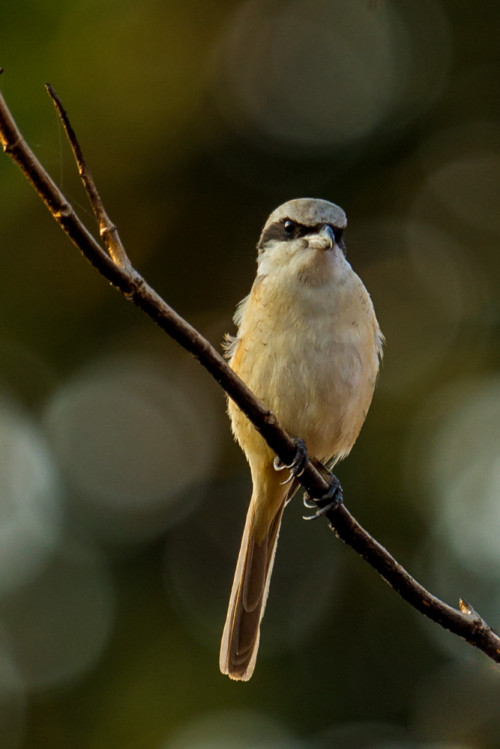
309 346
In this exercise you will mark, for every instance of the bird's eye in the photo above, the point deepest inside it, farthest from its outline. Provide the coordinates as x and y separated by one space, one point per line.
337 233
289 227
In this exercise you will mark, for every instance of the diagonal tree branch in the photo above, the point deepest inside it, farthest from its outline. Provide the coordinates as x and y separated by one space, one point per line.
113 263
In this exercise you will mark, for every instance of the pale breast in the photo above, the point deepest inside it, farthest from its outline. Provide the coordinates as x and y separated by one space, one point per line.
312 357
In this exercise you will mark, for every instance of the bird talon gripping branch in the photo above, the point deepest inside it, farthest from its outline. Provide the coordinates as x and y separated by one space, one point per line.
296 467
328 501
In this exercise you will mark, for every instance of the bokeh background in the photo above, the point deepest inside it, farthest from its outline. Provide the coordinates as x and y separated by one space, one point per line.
122 495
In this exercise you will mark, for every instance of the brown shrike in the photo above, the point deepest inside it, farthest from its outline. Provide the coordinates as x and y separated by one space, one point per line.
309 346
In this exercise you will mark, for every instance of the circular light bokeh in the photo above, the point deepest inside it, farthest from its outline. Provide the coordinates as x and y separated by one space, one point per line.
30 500
132 441
322 73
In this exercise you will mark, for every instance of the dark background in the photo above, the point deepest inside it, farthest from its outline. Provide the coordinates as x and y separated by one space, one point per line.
122 495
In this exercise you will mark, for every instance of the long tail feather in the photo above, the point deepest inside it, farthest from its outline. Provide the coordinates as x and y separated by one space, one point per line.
240 639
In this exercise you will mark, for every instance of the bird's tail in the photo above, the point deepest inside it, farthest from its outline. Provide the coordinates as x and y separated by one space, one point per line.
240 639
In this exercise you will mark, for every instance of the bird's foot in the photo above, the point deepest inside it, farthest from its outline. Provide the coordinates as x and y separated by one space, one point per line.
297 465
330 500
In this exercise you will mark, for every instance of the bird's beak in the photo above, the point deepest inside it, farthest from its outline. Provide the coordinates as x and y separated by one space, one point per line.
324 239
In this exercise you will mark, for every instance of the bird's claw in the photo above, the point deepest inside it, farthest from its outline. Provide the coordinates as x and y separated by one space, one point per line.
297 465
308 502
330 500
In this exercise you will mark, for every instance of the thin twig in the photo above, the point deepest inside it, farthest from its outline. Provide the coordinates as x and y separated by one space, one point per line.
464 622
107 229
116 268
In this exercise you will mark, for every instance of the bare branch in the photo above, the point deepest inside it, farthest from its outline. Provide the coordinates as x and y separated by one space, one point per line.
464 622
135 288
107 229
116 268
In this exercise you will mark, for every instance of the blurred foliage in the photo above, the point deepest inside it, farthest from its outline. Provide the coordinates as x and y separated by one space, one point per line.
122 496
